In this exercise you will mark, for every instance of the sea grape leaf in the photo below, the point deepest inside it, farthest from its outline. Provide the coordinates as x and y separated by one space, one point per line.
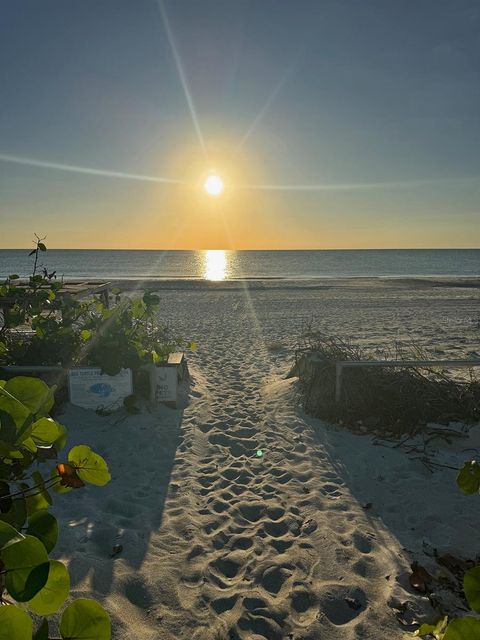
11 405
31 392
40 499
467 628
8 429
26 565
16 514
85 334
44 526
45 431
15 623
471 586
29 445
85 619
468 478
436 630
8 534
42 631
90 466
51 597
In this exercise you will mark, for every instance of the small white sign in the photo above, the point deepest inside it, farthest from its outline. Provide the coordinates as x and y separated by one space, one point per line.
167 383
91 389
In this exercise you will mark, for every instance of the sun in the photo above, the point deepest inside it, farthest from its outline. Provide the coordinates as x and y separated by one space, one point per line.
213 185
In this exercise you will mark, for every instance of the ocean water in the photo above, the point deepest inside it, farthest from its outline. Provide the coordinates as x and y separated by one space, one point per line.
231 265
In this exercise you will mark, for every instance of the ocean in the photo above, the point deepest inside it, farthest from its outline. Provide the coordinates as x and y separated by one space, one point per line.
232 265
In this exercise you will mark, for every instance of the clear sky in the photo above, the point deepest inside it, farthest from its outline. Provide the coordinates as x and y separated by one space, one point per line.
333 124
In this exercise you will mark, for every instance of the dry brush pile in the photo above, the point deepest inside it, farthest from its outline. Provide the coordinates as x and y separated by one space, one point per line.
394 399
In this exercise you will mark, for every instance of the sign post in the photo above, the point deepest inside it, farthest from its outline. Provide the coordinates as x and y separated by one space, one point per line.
91 389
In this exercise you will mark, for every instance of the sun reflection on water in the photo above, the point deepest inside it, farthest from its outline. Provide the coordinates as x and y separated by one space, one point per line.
215 266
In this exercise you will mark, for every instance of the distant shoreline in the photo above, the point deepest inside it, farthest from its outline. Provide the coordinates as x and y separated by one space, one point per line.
414 282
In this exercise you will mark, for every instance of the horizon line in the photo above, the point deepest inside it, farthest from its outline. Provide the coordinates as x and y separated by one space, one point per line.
261 249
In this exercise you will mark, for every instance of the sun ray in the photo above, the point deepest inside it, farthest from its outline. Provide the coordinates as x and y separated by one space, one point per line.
42 164
268 103
400 184
271 98
181 74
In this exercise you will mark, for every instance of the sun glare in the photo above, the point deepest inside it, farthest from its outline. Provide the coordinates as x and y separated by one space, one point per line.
215 264
213 185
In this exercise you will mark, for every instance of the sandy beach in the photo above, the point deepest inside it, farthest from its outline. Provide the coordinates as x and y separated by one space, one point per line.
311 541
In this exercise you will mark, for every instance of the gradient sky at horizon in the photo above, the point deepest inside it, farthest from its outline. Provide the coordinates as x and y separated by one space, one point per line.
374 103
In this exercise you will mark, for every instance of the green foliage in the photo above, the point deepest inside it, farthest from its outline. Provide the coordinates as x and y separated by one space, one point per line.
15 623
72 332
90 467
436 630
467 628
471 587
468 478
85 620
28 532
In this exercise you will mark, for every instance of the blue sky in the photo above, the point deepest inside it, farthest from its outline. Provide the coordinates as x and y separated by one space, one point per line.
377 101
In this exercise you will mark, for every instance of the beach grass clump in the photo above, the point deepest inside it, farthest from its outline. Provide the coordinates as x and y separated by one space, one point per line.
380 399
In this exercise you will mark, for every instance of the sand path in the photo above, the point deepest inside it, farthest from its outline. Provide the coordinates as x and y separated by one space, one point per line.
275 546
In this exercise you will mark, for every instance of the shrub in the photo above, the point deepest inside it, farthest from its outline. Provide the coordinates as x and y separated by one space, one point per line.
66 331
30 582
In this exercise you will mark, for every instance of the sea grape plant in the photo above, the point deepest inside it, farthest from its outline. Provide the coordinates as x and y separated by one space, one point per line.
467 628
72 332
32 584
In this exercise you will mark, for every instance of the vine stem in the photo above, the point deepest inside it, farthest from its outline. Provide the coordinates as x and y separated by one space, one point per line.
47 484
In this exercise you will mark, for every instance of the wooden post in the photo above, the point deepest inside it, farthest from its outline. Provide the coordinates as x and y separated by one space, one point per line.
338 381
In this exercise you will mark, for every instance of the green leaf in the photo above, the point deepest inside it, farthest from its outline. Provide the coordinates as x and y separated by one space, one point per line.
8 534
45 431
138 308
437 630
3 347
13 276
11 405
85 335
40 499
33 393
91 467
468 478
471 586
15 624
192 345
8 429
463 629
17 513
41 246
42 631
116 291
29 445
85 620
44 526
26 565
51 597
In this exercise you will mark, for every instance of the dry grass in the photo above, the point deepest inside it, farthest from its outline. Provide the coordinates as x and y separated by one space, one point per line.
393 399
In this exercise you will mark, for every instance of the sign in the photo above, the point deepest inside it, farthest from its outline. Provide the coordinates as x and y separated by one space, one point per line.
91 389
167 382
